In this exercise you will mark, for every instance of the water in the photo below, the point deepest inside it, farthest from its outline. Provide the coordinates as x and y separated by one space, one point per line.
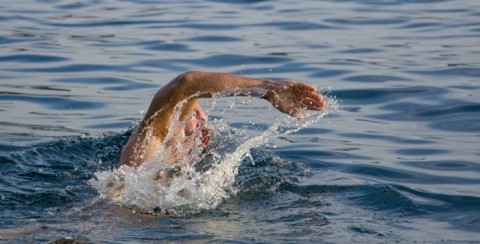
397 163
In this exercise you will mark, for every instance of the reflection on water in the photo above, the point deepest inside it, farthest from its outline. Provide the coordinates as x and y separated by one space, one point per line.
397 163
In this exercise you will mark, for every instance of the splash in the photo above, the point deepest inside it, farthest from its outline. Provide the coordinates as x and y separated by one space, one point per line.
185 187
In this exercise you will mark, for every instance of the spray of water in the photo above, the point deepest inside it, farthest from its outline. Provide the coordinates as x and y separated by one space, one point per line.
198 181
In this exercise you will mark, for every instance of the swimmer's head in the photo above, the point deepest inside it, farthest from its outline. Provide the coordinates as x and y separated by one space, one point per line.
197 124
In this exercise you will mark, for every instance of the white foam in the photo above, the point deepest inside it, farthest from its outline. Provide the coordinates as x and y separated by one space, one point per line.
191 189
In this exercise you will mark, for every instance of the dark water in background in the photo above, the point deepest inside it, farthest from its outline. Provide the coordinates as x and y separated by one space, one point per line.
399 162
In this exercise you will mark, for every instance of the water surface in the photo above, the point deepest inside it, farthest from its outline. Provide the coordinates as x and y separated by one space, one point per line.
397 163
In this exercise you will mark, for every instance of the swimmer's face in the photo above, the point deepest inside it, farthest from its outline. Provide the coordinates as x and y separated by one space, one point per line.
197 123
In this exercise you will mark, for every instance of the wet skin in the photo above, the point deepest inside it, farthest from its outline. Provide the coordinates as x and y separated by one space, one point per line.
181 96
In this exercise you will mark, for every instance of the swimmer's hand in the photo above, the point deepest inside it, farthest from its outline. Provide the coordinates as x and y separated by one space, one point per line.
291 97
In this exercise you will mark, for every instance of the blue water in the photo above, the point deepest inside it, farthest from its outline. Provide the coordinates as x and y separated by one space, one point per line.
398 162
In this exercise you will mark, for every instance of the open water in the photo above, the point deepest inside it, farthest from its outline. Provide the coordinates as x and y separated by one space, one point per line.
393 158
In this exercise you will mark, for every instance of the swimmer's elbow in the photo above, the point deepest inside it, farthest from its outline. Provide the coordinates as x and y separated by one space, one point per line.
186 83
187 79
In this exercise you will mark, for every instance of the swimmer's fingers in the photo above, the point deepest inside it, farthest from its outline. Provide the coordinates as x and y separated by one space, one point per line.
305 87
290 97
312 101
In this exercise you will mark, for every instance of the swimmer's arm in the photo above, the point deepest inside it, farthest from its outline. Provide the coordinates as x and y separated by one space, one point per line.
287 96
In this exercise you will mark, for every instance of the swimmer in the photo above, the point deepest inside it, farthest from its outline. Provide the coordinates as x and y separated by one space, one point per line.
182 94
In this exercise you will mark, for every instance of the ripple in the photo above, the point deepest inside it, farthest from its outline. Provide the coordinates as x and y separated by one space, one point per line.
75 68
421 151
55 103
130 87
32 58
458 71
461 124
115 84
70 6
386 198
359 50
286 67
441 202
395 2
171 47
115 125
287 152
397 199
374 78
295 25
421 25
29 128
241 1
113 23
155 45
327 73
9 40
454 117
464 108
398 176
390 138
309 189
443 165
213 39
215 61
366 21
227 60
387 94
94 80
200 26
